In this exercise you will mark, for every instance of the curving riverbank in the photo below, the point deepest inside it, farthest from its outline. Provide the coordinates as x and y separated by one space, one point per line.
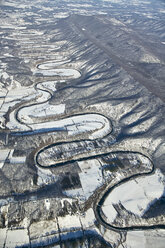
100 214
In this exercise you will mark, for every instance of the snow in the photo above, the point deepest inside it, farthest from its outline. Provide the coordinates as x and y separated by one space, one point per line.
3 91
16 238
149 58
43 228
50 85
45 241
8 55
16 93
98 124
73 235
13 124
143 126
61 15
78 124
153 185
135 195
27 93
89 219
45 176
52 64
113 1
116 22
104 130
90 176
5 75
75 193
69 223
71 73
136 239
3 157
16 160
47 204
2 236
145 239
25 222
27 114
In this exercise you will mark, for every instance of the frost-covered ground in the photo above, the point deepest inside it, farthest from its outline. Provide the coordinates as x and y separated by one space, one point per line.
4 156
70 73
82 93
144 239
136 196
53 64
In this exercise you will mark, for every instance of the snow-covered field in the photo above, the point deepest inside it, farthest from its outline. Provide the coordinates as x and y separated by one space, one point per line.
45 176
51 65
37 46
70 73
4 155
49 85
16 160
144 239
135 195
17 238
91 173
95 124
31 114
28 116
7 154
16 94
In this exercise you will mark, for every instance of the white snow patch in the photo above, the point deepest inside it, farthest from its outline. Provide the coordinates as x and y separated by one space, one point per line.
145 239
3 91
5 75
98 124
75 193
25 222
79 124
43 228
149 58
16 160
116 22
61 15
50 85
90 176
8 55
69 223
45 176
136 239
135 195
16 94
47 204
71 73
16 238
162 11
89 219
3 156
52 64
3 233
13 124
42 110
